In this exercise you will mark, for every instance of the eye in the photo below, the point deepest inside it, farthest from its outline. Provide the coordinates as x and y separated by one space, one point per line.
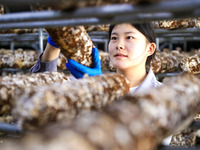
113 38
129 37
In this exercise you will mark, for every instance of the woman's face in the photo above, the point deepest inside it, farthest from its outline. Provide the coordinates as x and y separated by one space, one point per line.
127 47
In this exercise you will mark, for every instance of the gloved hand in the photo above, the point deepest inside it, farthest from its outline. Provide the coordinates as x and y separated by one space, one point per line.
78 70
51 42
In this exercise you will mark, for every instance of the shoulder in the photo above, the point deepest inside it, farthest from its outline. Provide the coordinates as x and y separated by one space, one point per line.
154 81
149 82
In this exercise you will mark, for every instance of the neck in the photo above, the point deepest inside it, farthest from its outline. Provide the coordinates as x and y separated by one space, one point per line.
135 75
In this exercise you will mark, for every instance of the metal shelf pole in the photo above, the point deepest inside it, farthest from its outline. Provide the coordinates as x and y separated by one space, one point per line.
41 39
157 43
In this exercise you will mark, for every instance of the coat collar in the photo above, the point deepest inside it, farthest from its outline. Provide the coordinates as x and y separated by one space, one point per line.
149 82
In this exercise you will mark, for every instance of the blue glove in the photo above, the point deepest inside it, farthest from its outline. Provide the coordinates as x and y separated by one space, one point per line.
78 70
51 42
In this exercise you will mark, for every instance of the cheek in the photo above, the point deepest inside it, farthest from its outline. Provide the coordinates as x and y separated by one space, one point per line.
110 48
136 50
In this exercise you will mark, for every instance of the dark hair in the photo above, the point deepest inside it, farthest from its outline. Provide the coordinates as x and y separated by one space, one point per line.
147 30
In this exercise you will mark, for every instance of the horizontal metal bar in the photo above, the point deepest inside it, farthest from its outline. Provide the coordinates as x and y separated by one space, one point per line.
179 35
13 70
19 2
174 39
98 33
104 11
52 23
22 35
195 125
161 33
175 6
86 21
9 128
186 30
172 74
181 8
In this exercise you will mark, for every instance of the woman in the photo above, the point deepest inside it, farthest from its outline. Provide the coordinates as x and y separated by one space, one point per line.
131 48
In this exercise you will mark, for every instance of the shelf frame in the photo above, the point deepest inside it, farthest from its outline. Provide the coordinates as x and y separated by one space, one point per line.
108 14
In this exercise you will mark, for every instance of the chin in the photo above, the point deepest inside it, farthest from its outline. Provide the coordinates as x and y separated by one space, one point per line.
120 66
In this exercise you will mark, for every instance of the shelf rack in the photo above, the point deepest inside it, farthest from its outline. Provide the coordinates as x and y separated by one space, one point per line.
167 37
100 15
107 14
162 35
187 32
101 37
34 39
10 129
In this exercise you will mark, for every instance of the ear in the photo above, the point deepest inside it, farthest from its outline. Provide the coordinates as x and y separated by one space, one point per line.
151 48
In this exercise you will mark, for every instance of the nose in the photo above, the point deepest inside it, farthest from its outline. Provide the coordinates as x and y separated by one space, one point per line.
120 45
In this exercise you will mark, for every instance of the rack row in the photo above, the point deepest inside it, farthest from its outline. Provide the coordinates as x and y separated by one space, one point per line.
108 14
36 39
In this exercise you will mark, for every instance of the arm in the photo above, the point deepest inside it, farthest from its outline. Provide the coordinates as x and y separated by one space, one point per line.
47 61
50 53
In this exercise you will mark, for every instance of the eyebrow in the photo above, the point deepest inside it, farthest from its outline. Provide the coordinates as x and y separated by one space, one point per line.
114 33
130 32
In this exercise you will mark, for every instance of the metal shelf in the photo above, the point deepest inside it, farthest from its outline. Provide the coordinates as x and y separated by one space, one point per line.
108 14
162 35
181 36
172 74
14 70
10 129
20 37
187 32
99 15
36 39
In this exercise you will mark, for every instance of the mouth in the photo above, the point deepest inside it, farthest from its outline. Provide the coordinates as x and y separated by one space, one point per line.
120 55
